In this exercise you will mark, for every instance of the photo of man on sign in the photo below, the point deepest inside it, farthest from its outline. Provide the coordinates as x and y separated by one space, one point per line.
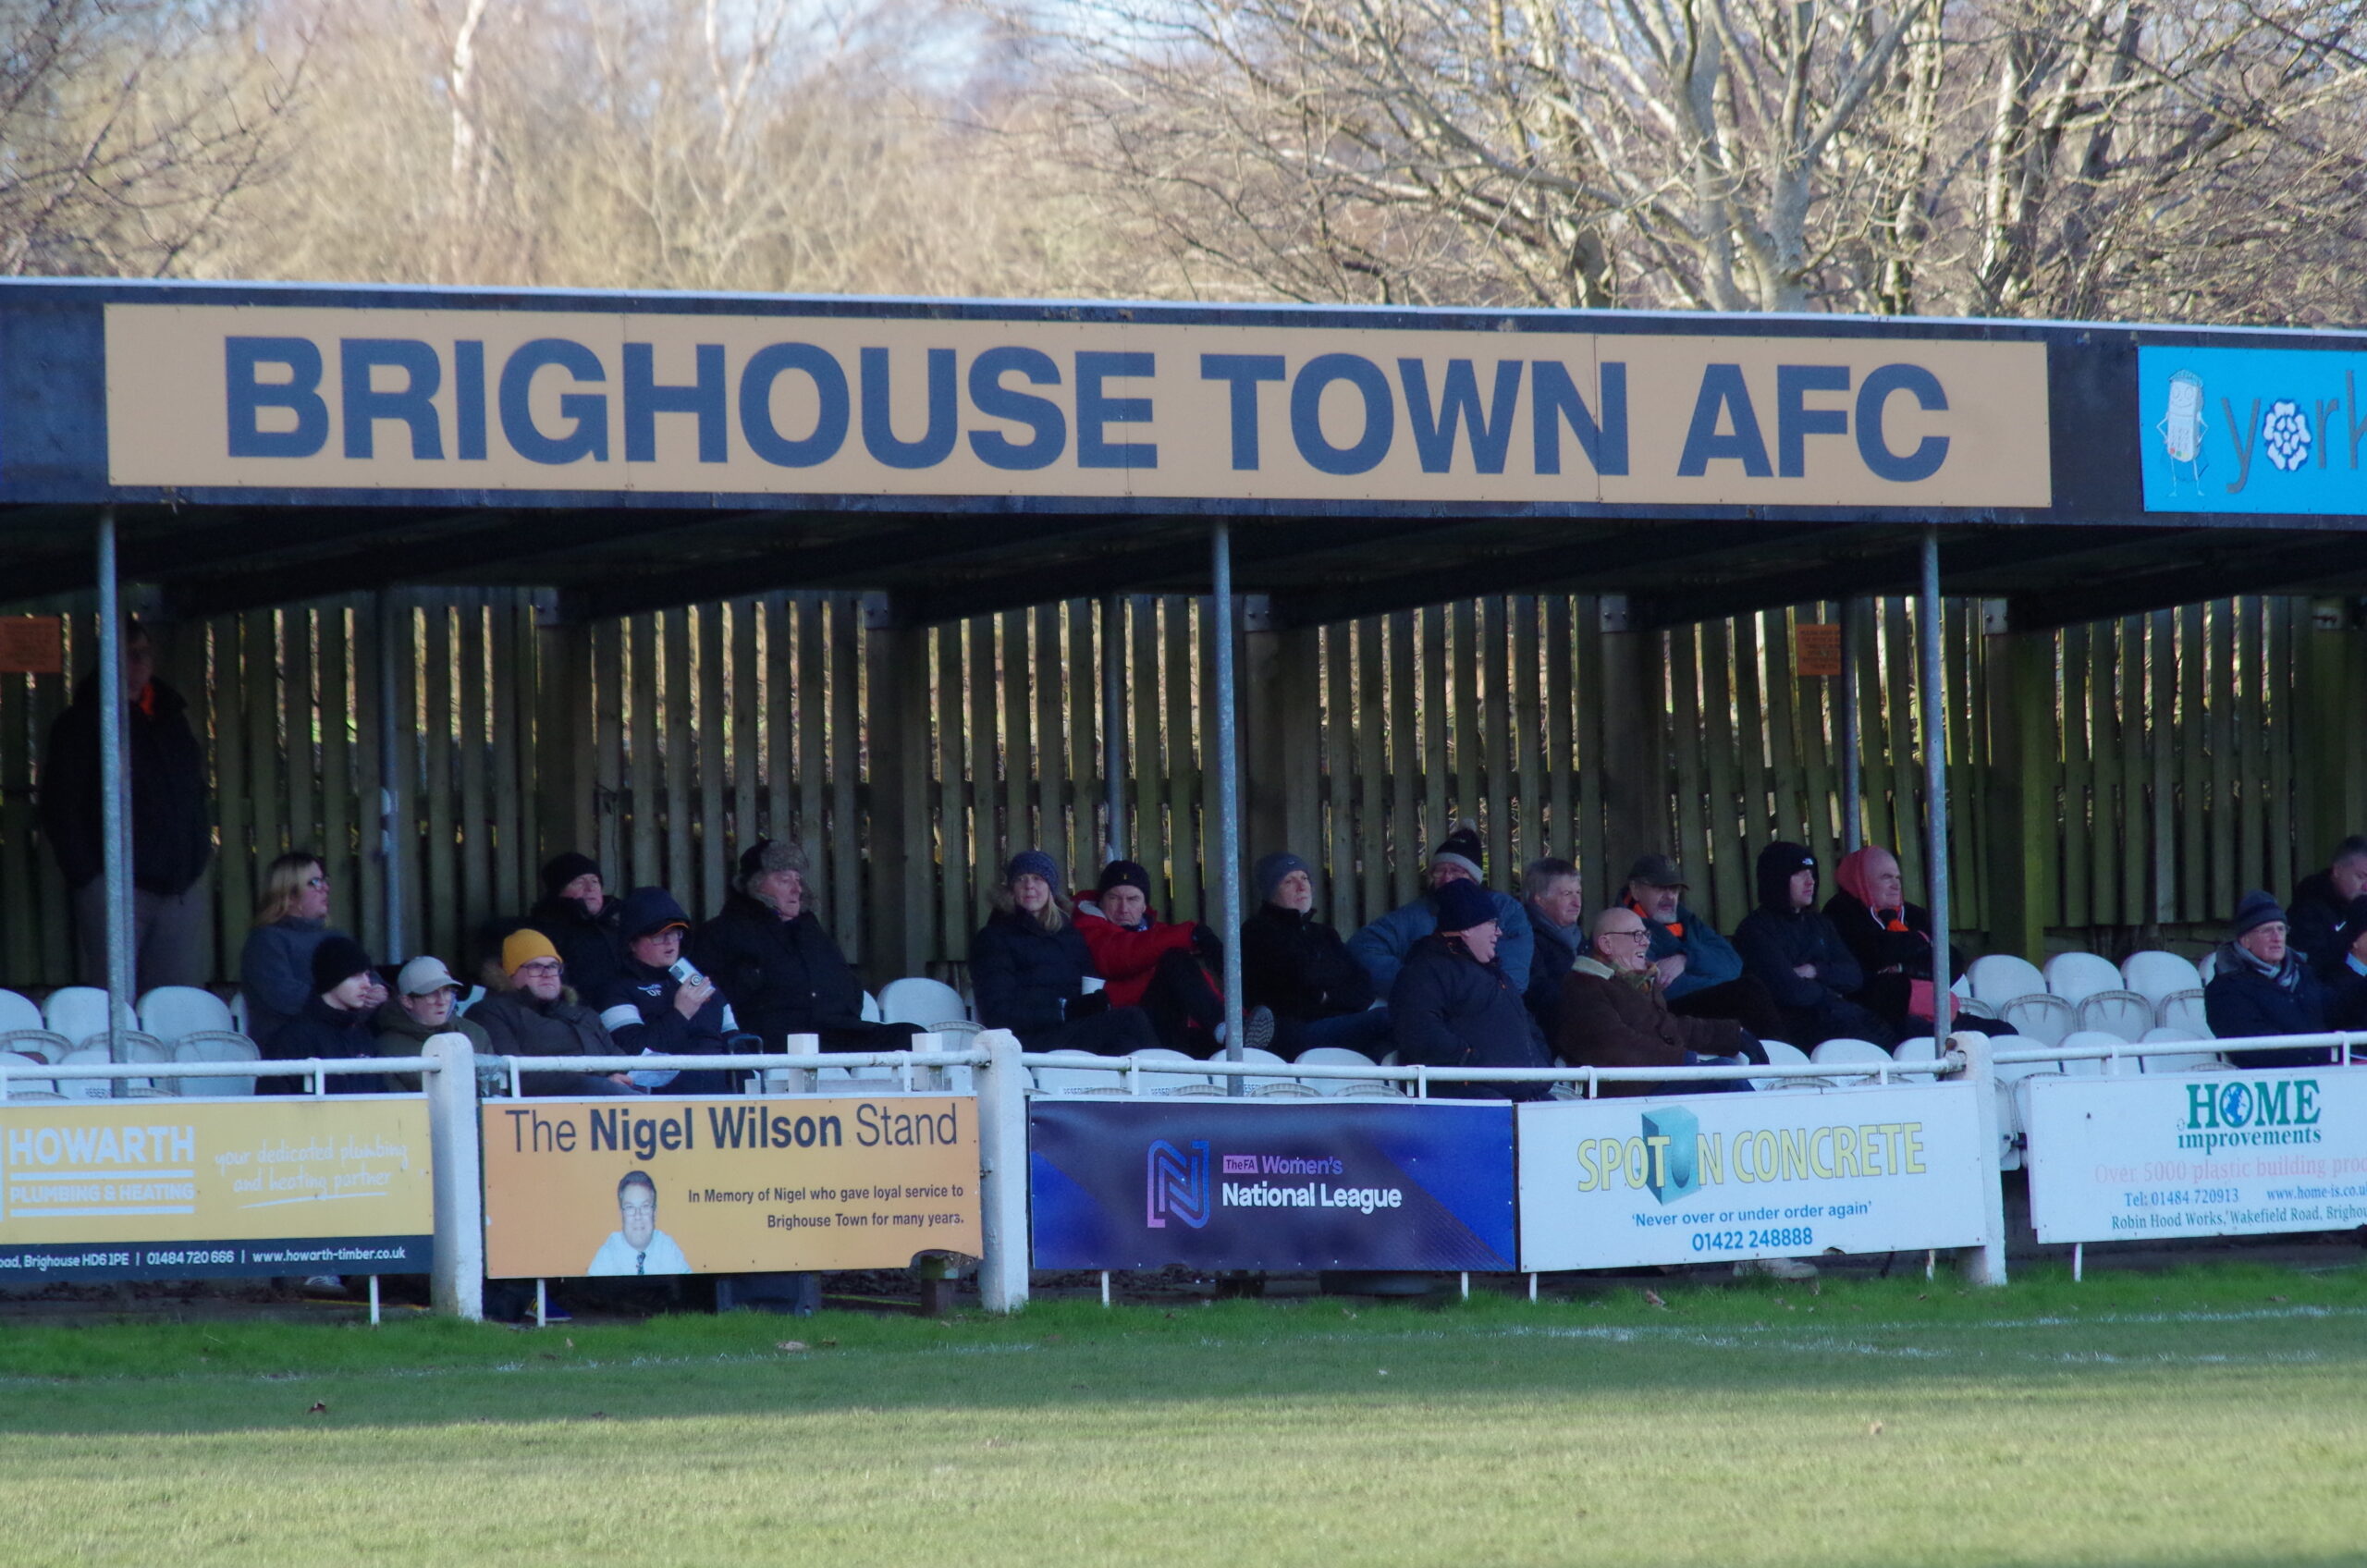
640 1247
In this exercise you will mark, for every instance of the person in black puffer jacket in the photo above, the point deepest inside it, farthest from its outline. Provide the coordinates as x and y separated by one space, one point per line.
779 967
1794 951
1454 1005
580 919
1298 969
2260 986
337 1021
1029 965
2319 902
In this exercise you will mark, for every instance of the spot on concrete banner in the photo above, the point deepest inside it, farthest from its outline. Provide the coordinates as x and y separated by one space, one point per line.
1276 1184
1620 1183
695 1186
175 1189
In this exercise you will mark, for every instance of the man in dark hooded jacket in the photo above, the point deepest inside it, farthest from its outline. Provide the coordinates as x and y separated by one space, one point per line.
1794 951
580 918
648 1010
1454 1005
2320 901
778 966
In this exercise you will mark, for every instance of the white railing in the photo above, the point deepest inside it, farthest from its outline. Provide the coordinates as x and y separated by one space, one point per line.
1820 1073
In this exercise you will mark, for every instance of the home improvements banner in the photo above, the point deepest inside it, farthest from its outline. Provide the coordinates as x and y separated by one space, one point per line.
2201 1154
736 1185
1613 1184
175 1189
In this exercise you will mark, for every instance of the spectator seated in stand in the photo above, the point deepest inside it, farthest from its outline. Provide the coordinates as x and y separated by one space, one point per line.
648 1011
1555 901
1166 968
1454 1006
580 918
1701 973
778 966
1890 939
1795 952
424 1005
2346 993
1381 947
335 1021
275 965
1296 968
1028 965
2321 900
2260 987
1613 1014
536 1014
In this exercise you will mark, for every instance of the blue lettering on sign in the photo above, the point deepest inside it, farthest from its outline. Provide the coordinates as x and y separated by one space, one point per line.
2252 430
1491 428
1041 415
1795 421
468 398
1873 397
879 437
413 403
830 433
249 395
645 400
1364 453
586 435
1724 393
1244 372
1554 400
1095 409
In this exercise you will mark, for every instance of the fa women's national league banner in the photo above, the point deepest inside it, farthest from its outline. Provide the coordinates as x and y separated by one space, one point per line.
1616 1183
1276 1184
2202 1154
176 1189
735 1185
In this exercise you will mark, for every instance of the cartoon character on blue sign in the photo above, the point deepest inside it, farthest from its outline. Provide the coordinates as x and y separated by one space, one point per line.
2183 427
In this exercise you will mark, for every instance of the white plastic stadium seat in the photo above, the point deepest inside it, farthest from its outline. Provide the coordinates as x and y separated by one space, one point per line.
239 1009
918 999
1781 1053
18 1011
215 1045
85 1088
2207 966
1851 1052
856 1081
2093 986
2194 1061
1922 1048
79 1011
1079 1080
20 1088
2172 985
1285 1087
1339 1056
36 1042
1173 1082
2091 1039
871 1009
175 1012
2015 989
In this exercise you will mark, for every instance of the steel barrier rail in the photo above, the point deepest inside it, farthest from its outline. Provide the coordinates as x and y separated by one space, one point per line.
1953 1063
2331 1040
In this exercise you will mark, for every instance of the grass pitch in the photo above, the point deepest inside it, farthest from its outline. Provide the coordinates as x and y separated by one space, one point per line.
2214 1417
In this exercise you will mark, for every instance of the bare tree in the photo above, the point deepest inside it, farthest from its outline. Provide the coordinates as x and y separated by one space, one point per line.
127 125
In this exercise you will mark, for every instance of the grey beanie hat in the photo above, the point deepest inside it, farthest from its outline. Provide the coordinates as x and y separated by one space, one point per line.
2258 909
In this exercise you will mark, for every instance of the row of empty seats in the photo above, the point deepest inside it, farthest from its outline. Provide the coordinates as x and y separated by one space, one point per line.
2086 993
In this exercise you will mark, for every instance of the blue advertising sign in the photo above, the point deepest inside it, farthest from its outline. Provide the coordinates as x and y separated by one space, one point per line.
2252 430
1276 1184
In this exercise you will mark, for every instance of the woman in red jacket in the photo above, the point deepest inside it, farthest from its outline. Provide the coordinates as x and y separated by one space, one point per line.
1164 967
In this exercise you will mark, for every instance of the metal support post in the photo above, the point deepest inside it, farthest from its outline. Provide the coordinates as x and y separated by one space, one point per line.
1002 1173
457 1281
1853 772
114 791
1114 721
1227 803
392 799
1931 685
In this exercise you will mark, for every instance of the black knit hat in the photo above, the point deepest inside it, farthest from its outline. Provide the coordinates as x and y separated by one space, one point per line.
2256 909
566 868
338 959
1462 847
1124 873
1462 905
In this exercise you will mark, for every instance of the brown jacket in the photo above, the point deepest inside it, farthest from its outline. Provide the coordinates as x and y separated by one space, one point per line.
1609 1021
